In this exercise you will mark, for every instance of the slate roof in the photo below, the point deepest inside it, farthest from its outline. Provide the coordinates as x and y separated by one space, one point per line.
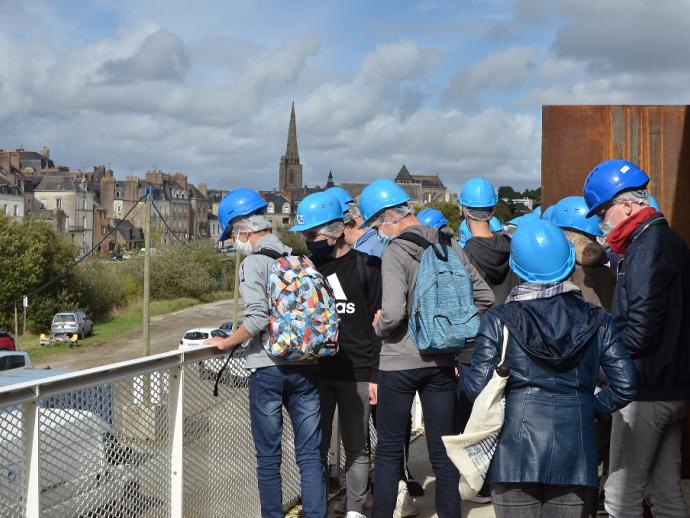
54 183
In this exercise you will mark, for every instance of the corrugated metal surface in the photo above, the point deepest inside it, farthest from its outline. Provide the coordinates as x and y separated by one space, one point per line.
576 138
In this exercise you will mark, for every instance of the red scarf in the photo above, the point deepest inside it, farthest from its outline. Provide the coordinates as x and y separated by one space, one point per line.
618 237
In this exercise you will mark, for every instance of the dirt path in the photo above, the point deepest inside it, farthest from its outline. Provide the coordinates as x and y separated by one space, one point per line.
166 331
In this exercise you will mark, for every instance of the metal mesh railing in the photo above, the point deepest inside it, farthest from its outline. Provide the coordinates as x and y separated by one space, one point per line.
142 438
105 448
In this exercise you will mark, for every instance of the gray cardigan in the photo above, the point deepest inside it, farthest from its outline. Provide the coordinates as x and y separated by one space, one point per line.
399 272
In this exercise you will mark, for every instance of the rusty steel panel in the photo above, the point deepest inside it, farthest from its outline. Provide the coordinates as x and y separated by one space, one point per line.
576 138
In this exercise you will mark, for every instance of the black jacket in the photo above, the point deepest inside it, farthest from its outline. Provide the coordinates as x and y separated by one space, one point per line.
651 307
554 352
356 282
490 256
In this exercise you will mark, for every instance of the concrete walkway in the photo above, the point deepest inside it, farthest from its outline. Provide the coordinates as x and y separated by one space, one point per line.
421 469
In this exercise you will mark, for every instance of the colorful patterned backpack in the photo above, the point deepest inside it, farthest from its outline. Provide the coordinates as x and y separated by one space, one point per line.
303 321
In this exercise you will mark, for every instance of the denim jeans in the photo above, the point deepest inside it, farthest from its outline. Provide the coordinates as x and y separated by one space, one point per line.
396 391
352 400
529 500
296 387
645 459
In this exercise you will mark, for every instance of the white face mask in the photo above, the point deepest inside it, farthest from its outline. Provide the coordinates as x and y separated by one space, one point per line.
244 247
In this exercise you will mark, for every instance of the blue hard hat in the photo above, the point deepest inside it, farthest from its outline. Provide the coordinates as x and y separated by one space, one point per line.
515 221
379 195
342 196
433 218
536 213
540 252
571 212
654 203
608 179
478 193
315 210
495 224
235 204
548 213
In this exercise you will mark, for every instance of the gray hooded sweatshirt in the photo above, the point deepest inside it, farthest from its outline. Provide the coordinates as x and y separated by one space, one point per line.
399 272
254 272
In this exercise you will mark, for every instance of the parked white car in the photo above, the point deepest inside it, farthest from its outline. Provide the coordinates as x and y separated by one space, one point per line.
235 374
199 335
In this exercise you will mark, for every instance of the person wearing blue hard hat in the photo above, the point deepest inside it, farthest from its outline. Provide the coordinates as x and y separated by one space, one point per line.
273 383
488 249
403 370
357 234
347 379
464 235
548 213
556 342
344 197
651 308
434 218
594 278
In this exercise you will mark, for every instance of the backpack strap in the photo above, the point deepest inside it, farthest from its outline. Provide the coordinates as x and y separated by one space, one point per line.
222 370
270 253
440 248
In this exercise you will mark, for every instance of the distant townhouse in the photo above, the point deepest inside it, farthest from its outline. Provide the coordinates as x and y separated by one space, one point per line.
62 193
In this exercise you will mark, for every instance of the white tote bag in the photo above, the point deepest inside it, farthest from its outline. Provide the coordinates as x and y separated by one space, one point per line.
472 450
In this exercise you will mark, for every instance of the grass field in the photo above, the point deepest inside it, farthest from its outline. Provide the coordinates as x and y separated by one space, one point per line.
123 322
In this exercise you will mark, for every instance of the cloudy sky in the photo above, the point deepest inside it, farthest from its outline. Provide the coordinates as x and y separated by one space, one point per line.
205 87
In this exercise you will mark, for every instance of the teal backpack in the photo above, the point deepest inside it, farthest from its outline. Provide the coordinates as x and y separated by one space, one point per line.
443 318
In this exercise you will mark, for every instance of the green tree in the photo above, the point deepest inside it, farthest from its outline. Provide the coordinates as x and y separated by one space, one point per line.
506 191
503 212
450 210
294 241
31 255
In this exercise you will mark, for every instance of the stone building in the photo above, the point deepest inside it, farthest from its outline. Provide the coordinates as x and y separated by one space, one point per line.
424 189
280 209
11 201
74 199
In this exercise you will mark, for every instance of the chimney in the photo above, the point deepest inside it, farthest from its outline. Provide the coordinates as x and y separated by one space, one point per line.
203 188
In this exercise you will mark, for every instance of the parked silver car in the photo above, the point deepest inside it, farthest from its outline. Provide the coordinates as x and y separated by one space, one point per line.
72 323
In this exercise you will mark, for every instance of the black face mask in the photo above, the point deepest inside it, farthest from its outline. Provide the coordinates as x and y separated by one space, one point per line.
320 249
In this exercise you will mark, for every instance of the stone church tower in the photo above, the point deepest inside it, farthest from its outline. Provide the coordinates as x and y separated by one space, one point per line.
290 172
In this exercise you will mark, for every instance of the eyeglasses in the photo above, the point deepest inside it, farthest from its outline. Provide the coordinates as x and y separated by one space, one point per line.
311 235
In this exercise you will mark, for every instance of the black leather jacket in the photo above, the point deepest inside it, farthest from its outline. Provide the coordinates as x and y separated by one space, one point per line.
651 307
555 350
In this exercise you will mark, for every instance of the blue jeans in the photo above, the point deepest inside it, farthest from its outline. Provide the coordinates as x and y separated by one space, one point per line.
396 391
295 387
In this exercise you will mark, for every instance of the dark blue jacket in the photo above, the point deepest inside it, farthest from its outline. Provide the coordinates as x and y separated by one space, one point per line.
651 307
555 349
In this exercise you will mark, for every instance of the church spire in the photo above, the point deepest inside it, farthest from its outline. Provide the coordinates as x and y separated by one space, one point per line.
292 153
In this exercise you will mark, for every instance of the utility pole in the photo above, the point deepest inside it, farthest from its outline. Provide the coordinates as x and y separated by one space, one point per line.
147 273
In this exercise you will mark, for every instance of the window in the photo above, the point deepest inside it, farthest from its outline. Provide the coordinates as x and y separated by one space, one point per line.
286 208
3 209
286 221
43 203
16 210
118 194
118 209
103 230
58 203
83 238
270 209
83 222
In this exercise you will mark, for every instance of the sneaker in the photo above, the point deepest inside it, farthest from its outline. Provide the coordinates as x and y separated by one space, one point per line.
354 514
404 506
479 499
414 488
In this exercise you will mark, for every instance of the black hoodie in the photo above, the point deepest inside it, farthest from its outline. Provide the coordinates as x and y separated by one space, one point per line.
490 256
555 331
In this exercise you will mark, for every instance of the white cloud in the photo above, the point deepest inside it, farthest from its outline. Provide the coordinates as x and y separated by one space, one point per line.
504 70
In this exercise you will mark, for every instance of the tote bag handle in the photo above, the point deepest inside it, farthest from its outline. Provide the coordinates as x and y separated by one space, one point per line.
502 369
